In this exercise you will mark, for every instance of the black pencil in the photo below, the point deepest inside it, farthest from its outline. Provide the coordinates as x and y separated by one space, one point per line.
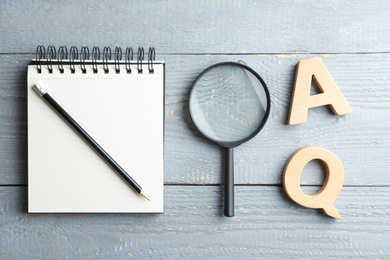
89 139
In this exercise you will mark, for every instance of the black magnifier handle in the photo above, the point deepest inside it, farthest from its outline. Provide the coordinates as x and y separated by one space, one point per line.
229 183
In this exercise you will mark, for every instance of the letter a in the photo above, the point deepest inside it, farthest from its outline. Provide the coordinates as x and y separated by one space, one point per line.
302 100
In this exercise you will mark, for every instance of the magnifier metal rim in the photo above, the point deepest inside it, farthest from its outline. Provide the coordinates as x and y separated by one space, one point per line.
267 112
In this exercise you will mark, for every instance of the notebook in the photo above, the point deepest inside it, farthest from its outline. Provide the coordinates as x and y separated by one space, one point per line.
119 101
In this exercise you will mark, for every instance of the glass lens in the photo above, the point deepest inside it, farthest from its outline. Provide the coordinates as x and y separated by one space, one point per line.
228 103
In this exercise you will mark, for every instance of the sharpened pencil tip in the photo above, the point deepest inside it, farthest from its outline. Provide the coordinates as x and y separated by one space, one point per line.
144 195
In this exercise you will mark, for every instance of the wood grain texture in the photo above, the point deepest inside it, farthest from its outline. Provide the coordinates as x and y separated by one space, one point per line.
360 140
309 72
267 225
209 26
331 188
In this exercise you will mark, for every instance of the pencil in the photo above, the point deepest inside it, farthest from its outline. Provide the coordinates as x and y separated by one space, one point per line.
43 93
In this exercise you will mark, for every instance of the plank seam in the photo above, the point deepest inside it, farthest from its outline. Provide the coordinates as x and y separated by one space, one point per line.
248 53
237 185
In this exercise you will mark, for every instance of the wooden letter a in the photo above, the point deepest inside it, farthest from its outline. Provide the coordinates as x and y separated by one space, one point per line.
302 100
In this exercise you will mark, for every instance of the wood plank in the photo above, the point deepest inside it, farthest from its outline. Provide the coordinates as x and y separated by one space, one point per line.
267 225
209 26
360 140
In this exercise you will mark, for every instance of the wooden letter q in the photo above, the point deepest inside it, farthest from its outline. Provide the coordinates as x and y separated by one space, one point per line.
331 188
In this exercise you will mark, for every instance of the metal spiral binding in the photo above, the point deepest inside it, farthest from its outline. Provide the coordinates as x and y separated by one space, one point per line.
118 57
73 55
62 54
151 58
84 55
106 57
39 55
51 54
51 57
95 58
140 58
128 59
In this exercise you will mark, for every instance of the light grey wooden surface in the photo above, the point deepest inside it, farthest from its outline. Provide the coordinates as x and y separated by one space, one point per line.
352 39
190 159
205 26
267 225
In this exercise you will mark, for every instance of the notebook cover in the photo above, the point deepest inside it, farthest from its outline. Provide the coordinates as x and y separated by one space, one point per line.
124 113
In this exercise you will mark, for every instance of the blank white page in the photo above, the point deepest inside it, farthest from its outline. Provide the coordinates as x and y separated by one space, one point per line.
123 113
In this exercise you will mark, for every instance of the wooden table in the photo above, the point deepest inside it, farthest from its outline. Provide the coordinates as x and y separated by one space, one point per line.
351 38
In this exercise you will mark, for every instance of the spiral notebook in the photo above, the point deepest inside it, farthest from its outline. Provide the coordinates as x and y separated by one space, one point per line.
119 101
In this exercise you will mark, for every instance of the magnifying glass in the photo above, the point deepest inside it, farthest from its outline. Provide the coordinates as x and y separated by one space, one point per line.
229 104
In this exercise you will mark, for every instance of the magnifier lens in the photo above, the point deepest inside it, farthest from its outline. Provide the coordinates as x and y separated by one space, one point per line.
228 103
